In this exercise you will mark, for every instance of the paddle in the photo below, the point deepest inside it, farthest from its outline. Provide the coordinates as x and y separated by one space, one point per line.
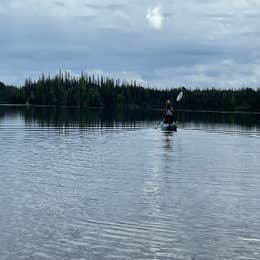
179 97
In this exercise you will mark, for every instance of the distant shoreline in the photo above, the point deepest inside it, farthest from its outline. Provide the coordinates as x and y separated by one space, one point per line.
154 109
87 91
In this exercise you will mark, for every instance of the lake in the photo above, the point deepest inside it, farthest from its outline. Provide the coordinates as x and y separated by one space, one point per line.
83 184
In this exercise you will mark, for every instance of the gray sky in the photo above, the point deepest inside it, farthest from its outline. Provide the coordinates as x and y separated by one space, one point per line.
192 43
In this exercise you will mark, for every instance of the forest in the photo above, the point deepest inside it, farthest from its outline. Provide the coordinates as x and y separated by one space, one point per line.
102 92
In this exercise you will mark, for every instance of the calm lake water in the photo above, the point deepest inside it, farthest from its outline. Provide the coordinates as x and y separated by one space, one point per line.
77 184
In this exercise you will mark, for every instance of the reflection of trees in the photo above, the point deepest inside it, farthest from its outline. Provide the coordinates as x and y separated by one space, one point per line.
9 111
210 119
69 117
65 117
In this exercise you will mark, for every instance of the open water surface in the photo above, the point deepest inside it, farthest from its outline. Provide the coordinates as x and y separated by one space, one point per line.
76 184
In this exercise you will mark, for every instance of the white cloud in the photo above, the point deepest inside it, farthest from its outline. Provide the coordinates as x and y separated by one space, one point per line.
155 18
210 43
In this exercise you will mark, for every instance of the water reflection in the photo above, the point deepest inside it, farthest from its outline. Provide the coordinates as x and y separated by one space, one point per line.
116 194
168 140
84 118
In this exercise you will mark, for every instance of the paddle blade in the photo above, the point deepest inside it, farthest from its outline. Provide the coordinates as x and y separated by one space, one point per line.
179 97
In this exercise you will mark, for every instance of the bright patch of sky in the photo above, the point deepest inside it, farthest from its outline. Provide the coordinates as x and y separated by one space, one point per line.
155 17
161 43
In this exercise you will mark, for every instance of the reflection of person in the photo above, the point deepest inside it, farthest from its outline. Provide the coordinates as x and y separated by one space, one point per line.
168 115
168 145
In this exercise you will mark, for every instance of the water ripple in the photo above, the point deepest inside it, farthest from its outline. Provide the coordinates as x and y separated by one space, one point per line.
128 193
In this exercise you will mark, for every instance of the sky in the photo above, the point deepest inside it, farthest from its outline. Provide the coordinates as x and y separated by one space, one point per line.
167 43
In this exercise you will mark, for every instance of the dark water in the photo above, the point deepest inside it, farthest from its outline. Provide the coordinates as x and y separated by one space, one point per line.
83 185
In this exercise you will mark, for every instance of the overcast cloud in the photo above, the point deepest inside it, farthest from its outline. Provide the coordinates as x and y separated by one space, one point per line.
192 43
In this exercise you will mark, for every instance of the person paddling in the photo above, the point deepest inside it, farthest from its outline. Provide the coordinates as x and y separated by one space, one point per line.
167 122
168 115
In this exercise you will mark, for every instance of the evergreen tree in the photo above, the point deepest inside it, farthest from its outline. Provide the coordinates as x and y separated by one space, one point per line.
90 91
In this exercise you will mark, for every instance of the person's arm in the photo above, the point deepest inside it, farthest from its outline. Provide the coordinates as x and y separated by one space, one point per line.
164 112
173 114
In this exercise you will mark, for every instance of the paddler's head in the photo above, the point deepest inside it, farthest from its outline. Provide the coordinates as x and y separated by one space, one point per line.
168 104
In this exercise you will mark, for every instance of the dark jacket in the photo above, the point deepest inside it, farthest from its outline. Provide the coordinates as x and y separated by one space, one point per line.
168 116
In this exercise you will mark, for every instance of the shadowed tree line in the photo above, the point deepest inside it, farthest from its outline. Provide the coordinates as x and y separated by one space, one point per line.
8 94
90 91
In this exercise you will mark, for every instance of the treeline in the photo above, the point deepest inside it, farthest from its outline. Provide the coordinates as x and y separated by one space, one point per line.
8 94
91 91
